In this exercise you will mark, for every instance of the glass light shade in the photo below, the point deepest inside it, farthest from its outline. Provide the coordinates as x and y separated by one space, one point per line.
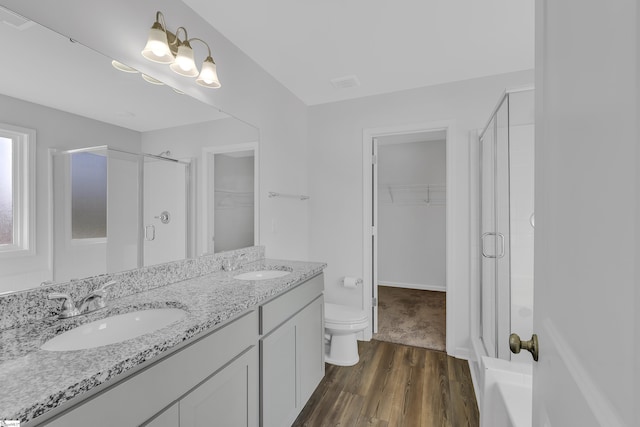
122 67
184 63
151 80
208 75
157 47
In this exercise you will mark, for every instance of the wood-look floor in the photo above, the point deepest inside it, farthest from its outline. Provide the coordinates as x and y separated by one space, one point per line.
394 385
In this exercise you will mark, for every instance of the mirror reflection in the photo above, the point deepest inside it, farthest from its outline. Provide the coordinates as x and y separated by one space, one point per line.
232 210
67 113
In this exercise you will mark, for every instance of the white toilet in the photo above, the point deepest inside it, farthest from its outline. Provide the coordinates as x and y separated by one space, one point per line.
341 324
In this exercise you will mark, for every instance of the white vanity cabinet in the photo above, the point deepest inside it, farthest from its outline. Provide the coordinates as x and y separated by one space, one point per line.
259 369
229 398
197 382
291 351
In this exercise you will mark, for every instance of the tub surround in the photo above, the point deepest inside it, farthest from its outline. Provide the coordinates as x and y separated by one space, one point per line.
36 381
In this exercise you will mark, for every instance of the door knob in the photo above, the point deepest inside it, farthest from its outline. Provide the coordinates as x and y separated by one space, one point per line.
515 344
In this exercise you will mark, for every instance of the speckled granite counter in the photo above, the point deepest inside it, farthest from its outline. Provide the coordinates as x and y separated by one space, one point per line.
34 381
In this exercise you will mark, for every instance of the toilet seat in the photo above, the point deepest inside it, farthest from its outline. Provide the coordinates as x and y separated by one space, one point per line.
342 314
344 318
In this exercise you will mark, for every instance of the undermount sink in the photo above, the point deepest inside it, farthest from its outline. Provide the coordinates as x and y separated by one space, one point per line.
114 329
262 275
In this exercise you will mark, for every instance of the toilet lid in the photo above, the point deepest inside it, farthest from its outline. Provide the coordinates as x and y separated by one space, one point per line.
342 314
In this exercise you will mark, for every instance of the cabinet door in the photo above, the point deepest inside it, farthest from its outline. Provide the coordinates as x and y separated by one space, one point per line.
168 418
310 348
228 398
279 376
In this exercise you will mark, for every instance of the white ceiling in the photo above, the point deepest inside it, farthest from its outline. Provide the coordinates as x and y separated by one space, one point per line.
389 45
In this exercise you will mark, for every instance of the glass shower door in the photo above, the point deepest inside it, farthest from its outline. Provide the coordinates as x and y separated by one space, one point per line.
495 234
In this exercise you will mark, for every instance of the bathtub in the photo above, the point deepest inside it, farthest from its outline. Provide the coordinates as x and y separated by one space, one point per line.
506 393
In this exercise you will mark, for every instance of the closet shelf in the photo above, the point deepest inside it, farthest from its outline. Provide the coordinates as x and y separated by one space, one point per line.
231 199
288 196
224 191
413 195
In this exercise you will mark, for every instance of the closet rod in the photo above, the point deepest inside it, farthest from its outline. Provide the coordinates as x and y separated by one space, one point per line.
289 196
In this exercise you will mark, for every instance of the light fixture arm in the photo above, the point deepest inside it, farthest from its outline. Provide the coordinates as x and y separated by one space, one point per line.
202 41
186 36
160 19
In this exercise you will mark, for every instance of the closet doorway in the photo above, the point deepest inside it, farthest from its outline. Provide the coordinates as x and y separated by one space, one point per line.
230 217
407 240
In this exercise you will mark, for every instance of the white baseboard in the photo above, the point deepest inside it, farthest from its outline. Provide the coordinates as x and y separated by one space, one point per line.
473 369
462 353
420 286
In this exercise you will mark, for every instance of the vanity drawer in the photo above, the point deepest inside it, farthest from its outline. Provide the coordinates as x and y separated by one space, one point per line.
278 310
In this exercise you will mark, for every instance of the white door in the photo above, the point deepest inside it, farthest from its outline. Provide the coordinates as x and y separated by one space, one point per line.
587 219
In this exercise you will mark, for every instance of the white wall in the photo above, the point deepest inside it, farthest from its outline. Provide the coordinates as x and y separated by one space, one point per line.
60 130
411 233
521 196
335 170
120 28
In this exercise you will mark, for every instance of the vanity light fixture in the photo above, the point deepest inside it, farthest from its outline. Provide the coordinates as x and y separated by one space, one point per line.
166 47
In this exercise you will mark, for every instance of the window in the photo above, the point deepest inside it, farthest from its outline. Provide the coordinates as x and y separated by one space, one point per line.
88 196
17 190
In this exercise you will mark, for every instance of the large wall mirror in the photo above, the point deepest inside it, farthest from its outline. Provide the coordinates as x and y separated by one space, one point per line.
88 201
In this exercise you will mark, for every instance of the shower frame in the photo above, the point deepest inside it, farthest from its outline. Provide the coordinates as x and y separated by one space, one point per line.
139 158
494 244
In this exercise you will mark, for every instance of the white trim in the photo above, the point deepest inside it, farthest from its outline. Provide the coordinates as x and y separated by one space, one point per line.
419 286
368 134
231 148
462 353
475 380
50 246
24 191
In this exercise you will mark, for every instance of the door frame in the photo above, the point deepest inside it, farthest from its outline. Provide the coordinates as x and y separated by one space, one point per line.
369 208
207 165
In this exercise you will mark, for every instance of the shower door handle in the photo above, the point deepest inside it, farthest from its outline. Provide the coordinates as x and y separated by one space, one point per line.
499 235
150 233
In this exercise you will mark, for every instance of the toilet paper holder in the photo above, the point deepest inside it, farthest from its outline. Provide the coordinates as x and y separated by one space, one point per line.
351 282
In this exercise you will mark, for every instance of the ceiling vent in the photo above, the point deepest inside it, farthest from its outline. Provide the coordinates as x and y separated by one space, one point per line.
345 82
14 20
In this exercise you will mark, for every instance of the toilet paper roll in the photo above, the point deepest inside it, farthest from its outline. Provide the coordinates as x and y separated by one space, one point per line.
351 282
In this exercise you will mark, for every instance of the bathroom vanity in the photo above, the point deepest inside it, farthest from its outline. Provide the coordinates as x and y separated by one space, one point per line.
248 352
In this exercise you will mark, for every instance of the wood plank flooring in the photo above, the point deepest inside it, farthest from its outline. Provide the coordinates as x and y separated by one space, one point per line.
394 385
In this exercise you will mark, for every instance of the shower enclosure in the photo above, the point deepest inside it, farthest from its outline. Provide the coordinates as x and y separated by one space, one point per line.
115 211
506 225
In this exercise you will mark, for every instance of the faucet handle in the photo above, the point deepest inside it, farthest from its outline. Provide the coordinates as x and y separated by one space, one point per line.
107 285
68 307
100 293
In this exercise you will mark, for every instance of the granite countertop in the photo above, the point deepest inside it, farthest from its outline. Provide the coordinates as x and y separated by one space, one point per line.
34 381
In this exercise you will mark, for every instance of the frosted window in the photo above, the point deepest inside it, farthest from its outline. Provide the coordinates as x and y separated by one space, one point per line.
88 196
6 191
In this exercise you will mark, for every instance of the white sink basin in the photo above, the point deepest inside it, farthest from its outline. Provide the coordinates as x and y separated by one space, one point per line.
114 329
262 275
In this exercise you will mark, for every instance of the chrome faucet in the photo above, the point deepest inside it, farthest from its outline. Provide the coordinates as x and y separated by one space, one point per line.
92 302
232 263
